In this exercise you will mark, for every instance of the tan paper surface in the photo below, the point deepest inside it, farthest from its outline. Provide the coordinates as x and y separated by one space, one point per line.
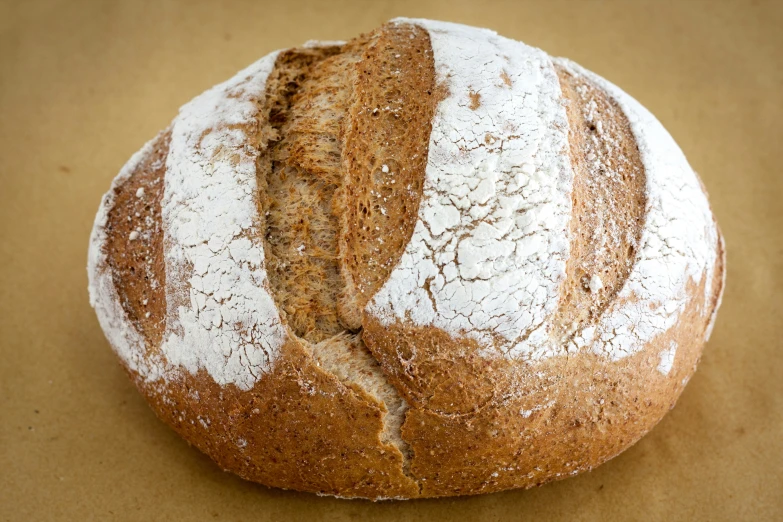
84 84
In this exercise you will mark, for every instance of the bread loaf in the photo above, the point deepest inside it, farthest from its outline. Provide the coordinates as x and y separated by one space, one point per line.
430 261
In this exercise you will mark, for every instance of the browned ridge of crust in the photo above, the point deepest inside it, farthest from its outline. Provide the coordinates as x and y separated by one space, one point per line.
344 182
608 200
385 156
137 265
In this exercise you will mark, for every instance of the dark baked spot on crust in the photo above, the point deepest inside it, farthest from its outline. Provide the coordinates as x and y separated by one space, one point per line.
506 78
475 100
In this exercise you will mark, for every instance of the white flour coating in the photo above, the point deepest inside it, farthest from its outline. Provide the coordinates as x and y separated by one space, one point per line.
596 284
221 316
667 359
677 244
491 241
123 337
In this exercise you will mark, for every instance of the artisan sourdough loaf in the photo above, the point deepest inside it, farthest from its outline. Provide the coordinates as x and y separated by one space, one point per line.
430 261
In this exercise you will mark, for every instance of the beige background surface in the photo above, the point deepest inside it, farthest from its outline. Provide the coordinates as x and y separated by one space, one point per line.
84 84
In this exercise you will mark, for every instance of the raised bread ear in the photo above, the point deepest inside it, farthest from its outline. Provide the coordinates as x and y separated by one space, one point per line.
384 159
608 202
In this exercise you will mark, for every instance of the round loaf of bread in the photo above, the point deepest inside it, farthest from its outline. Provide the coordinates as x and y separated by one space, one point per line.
430 261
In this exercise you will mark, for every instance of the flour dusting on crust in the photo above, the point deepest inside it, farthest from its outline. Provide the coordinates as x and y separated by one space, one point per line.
221 316
666 359
489 250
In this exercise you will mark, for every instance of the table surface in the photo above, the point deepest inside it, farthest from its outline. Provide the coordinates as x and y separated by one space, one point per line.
84 84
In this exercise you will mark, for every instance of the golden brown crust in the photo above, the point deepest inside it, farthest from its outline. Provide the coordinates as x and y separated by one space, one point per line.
435 371
476 423
298 428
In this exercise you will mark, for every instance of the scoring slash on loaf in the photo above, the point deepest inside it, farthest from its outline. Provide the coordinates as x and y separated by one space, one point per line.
430 261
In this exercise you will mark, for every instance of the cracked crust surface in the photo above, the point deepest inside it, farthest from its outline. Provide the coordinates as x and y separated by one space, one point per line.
233 260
